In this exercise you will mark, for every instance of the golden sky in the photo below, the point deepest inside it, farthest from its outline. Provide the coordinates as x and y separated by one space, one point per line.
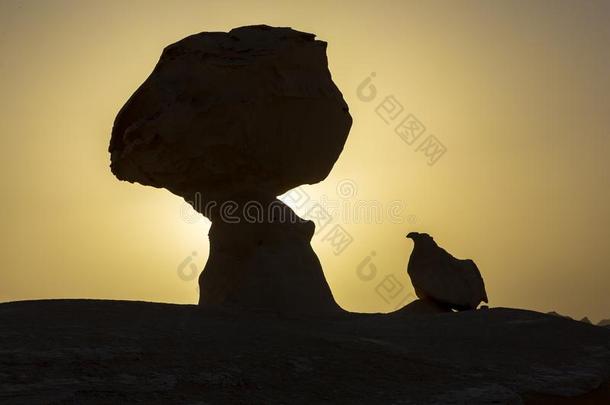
517 91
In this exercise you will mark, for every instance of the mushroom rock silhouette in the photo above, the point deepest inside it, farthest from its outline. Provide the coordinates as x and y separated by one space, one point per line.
229 121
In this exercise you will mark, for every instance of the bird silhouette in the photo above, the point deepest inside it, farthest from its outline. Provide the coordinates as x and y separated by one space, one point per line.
437 275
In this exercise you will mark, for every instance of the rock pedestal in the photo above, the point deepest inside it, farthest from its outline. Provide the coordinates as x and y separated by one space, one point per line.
265 263
240 118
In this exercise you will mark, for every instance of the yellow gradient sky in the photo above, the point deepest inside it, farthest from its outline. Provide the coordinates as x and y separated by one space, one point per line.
517 91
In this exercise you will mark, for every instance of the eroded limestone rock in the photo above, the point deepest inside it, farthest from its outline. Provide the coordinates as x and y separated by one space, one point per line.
240 118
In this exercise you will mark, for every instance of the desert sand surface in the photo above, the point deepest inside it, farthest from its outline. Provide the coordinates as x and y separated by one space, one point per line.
100 352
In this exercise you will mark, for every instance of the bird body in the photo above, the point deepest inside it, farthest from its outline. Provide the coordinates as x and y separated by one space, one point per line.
439 276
